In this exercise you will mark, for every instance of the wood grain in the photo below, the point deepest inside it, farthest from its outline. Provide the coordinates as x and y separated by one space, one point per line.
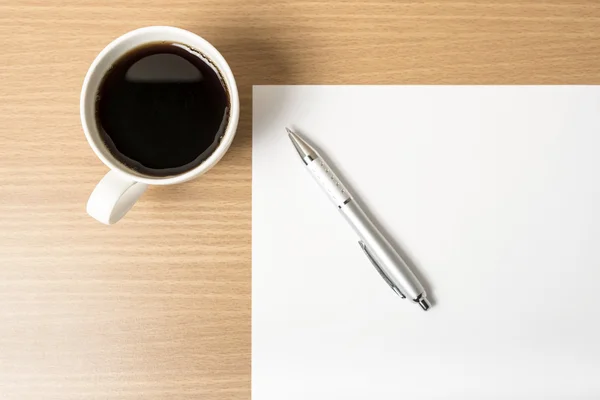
158 306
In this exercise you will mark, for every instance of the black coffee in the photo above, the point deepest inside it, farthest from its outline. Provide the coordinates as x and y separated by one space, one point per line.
162 109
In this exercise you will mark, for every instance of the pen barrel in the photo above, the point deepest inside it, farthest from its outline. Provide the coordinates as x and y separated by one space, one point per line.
328 181
392 264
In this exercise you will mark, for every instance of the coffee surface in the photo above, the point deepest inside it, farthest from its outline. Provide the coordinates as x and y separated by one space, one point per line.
162 109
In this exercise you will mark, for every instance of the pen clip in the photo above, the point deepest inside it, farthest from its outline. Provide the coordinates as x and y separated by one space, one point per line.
378 268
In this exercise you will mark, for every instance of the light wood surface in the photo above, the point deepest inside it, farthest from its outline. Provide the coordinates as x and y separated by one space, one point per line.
158 306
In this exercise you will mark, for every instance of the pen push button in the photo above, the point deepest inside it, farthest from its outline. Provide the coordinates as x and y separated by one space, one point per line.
381 273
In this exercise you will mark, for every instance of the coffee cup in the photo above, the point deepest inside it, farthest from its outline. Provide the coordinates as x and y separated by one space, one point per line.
159 106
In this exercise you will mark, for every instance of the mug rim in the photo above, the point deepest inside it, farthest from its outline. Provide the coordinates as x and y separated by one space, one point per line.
202 46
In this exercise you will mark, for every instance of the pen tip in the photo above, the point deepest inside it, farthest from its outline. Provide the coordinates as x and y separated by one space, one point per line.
303 148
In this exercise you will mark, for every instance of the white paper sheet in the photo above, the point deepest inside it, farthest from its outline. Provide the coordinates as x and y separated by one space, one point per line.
494 195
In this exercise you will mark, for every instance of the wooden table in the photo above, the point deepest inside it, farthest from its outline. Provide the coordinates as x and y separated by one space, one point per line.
158 306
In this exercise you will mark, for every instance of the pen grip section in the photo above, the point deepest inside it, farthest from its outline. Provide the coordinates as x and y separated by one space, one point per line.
329 182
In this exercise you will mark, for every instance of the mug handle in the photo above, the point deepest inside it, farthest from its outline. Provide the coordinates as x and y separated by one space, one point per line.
113 197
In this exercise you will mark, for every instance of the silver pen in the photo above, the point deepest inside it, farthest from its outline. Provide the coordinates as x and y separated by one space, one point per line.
378 249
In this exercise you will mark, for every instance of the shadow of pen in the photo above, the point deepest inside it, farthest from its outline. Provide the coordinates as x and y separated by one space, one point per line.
423 279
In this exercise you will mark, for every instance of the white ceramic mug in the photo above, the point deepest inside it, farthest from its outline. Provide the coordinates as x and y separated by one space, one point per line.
122 186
